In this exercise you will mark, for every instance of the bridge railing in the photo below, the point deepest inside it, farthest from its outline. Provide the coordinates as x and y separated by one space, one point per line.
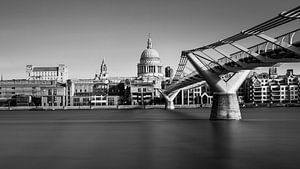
262 47
267 46
187 80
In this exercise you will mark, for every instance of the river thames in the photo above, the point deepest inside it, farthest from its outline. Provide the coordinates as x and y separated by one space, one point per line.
149 139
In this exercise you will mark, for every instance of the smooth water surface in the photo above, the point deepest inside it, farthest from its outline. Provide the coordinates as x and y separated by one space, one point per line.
149 139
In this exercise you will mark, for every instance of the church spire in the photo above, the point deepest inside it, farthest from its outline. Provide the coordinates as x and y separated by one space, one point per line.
103 73
103 69
149 42
103 60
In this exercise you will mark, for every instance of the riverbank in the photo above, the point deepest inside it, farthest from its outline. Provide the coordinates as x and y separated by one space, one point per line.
251 105
33 108
99 107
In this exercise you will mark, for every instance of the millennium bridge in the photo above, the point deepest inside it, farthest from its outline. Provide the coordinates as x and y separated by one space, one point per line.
226 74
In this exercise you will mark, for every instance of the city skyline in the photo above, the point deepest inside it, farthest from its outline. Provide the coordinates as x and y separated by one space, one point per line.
80 33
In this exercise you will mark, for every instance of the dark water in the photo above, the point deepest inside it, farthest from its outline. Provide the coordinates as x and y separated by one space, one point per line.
149 139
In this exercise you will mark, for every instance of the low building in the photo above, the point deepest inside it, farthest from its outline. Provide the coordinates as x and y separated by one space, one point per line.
80 91
53 96
142 93
35 92
90 92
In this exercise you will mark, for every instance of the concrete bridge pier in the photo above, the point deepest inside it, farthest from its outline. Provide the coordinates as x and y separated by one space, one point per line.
170 104
169 98
225 102
225 107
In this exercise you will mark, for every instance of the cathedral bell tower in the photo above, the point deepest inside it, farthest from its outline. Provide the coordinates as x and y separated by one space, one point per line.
103 71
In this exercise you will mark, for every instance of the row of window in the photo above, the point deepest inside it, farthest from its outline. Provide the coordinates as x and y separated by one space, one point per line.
76 91
45 78
86 102
149 69
46 73
52 91
274 88
144 89
281 97
21 88
9 92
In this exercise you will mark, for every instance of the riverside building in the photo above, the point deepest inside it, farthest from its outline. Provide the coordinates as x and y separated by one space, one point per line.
273 88
99 91
23 92
90 92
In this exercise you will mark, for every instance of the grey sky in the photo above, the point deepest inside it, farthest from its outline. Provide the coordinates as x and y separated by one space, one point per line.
79 33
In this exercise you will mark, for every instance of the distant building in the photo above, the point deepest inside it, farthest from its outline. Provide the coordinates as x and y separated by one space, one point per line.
273 72
196 95
168 72
22 92
90 92
79 92
268 88
100 91
54 96
168 77
142 93
59 74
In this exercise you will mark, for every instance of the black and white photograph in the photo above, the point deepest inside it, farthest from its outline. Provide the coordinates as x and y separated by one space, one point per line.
149 84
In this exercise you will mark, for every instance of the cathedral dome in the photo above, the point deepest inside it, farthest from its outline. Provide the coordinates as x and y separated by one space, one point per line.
149 65
149 55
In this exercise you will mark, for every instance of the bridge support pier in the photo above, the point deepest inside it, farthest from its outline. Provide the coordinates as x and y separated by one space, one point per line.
170 104
169 98
225 107
225 103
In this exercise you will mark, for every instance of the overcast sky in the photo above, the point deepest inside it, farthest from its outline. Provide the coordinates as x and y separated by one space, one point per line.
79 33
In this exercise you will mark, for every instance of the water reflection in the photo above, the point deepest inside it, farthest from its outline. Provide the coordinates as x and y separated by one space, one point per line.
222 143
